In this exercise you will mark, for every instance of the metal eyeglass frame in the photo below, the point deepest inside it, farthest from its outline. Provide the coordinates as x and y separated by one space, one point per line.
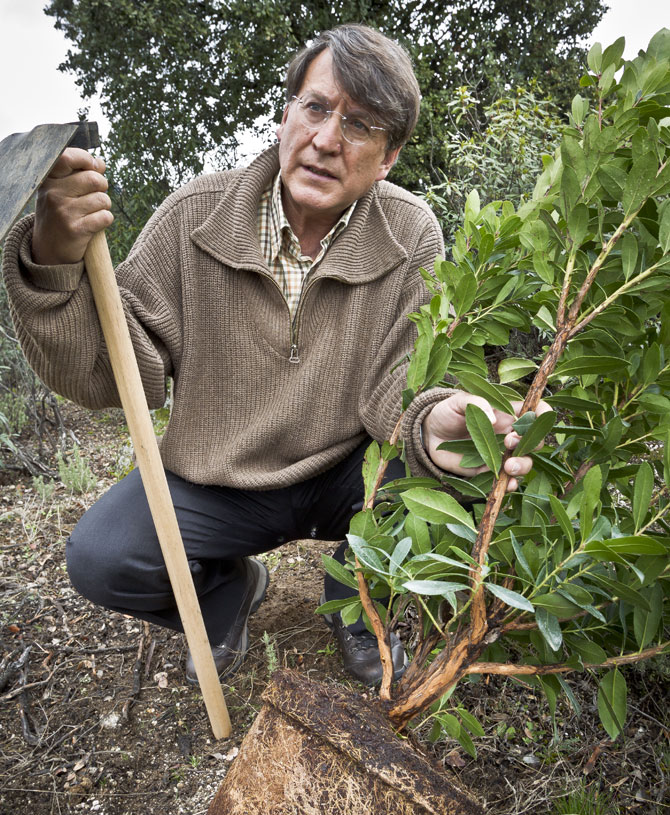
343 119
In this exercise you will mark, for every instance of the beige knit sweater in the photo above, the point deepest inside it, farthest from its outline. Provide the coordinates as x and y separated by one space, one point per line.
260 401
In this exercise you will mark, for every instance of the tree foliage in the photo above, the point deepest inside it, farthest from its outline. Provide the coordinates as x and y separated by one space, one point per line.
496 149
571 573
179 78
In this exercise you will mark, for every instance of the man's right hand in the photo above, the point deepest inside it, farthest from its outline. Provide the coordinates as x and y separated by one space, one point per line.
72 205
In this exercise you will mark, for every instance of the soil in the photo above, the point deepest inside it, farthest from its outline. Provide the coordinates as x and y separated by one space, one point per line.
96 716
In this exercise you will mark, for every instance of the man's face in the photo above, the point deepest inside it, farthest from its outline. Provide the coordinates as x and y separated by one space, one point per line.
322 173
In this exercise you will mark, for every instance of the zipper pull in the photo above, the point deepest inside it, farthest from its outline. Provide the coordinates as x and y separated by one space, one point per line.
294 354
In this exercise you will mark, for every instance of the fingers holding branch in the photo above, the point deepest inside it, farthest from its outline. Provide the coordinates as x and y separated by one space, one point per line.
446 422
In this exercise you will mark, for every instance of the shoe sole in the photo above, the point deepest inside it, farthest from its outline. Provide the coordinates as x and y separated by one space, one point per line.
259 596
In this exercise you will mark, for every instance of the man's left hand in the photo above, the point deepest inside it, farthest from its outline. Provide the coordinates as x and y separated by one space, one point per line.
446 422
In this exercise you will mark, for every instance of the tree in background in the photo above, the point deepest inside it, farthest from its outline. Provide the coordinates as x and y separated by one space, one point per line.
180 78
496 149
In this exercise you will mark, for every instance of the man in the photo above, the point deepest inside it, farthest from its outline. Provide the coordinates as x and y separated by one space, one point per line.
275 297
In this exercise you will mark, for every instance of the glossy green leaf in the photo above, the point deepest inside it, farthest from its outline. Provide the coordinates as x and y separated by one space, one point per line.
482 434
612 702
436 507
351 613
592 484
363 524
434 587
521 562
549 627
464 486
578 223
451 724
465 294
579 109
576 594
640 183
594 58
618 589
470 722
589 651
613 53
562 519
651 364
653 403
365 554
570 191
401 484
629 253
613 178
511 598
646 623
438 361
572 154
418 531
466 743
632 545
416 371
400 552
437 558
523 423
370 468
479 386
535 433
664 226
582 366
337 570
544 320
512 369
644 486
472 204
558 605
565 400
333 606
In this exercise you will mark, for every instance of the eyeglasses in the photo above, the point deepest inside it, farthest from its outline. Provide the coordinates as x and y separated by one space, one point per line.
357 127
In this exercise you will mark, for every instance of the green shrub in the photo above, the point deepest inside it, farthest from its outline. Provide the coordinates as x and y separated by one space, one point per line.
570 573
44 489
74 471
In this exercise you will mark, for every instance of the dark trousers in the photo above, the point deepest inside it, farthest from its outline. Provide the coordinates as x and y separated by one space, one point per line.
114 558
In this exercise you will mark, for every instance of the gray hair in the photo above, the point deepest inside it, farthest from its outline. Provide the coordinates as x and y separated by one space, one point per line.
370 68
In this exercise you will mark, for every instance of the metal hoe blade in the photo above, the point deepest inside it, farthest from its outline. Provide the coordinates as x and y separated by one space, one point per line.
27 158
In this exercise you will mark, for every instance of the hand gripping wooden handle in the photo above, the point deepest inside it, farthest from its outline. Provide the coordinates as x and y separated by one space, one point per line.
126 373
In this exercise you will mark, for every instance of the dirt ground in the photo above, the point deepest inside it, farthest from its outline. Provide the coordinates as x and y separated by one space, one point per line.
95 714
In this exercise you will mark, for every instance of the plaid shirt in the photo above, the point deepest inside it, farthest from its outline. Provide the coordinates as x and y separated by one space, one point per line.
280 247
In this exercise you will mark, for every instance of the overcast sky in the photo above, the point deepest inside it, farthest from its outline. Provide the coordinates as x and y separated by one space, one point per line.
34 91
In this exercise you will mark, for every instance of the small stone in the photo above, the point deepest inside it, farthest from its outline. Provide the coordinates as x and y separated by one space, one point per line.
111 720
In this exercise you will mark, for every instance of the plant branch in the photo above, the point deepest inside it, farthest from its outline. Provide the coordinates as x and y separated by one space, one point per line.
509 669
380 630
607 302
573 313
567 278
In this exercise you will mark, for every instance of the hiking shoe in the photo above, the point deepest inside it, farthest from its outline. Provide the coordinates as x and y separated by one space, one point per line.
360 652
229 654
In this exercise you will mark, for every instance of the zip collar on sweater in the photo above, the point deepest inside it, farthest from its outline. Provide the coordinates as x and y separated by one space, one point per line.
229 233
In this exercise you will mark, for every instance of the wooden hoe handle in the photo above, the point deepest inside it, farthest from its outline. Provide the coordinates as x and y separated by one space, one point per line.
126 373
